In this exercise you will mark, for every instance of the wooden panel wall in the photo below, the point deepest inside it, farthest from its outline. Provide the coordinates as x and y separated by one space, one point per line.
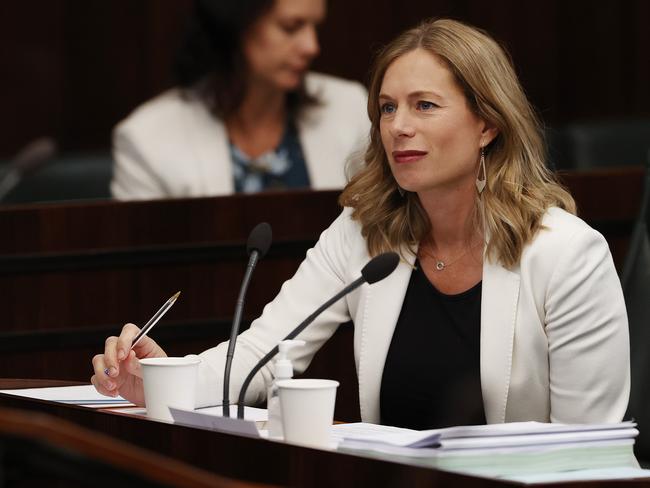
73 68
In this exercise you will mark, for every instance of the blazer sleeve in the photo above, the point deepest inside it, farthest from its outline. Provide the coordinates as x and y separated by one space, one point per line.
587 330
322 274
133 176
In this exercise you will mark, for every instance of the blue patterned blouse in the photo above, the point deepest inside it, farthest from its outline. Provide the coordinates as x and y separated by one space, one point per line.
279 169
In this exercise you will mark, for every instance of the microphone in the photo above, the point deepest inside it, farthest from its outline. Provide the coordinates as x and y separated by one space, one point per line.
29 159
259 241
375 270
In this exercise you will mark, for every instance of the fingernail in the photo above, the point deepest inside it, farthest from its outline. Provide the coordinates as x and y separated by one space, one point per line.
112 371
109 385
120 354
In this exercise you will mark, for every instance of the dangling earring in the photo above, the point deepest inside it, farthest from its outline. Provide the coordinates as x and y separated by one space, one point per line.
480 182
401 191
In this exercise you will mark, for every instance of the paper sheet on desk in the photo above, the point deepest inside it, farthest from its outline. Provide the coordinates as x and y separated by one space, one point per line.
212 419
250 413
385 434
83 395
483 436
516 449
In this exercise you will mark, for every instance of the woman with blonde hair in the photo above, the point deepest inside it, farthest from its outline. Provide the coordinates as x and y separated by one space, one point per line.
505 307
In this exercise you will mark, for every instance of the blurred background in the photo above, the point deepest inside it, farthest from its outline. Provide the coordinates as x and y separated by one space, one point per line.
71 69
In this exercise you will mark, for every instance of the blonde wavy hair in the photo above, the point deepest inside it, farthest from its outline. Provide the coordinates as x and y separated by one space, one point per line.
519 188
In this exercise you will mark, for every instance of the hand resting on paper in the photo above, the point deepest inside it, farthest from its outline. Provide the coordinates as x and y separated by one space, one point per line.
124 375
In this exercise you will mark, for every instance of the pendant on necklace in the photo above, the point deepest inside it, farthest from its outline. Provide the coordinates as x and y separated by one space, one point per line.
440 265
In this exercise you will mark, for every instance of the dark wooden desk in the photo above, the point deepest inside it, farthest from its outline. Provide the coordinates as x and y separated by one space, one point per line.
258 460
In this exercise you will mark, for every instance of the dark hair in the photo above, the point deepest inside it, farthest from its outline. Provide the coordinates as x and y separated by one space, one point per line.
211 59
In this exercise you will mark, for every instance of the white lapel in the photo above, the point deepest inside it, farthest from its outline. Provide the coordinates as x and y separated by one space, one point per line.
327 135
313 127
381 308
209 142
500 295
312 131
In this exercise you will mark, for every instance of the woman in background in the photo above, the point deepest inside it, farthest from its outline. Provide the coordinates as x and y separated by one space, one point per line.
506 306
247 115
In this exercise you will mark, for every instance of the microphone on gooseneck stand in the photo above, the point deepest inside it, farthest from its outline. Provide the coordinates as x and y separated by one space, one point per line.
29 159
376 270
257 246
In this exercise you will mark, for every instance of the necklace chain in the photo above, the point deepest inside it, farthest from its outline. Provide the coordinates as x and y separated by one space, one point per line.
442 265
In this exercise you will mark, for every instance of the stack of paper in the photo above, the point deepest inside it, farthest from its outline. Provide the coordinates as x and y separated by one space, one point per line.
498 449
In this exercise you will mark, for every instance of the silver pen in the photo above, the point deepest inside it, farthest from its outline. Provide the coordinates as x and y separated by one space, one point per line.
153 321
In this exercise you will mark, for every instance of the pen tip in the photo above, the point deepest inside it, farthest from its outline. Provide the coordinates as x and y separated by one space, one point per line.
175 296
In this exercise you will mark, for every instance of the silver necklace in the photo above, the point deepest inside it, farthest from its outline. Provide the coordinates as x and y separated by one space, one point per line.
442 265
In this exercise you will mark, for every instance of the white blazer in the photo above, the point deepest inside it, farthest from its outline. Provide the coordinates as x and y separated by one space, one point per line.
172 146
554 334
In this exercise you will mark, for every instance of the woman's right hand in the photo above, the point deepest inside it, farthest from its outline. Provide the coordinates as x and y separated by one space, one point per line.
118 371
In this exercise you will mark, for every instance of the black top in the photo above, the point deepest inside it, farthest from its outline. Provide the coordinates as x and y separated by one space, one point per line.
432 374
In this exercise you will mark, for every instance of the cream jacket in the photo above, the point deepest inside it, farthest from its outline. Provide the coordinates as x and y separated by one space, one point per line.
554 334
172 146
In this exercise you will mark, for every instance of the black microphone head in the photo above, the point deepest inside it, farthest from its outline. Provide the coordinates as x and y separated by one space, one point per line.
260 239
379 267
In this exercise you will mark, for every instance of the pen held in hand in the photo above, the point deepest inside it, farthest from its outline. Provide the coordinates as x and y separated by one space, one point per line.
153 321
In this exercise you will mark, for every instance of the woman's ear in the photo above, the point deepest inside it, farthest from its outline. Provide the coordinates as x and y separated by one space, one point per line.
488 133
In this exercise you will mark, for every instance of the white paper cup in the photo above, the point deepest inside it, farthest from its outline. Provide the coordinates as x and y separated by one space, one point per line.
307 410
169 382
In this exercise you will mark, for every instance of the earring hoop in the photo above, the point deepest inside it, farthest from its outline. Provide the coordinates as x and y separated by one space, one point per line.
481 181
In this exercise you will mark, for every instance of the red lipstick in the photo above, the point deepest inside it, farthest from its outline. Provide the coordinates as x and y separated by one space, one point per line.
408 156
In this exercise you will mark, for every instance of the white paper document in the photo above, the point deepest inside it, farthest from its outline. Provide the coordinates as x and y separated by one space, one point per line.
250 413
385 434
84 395
484 436
498 450
212 419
